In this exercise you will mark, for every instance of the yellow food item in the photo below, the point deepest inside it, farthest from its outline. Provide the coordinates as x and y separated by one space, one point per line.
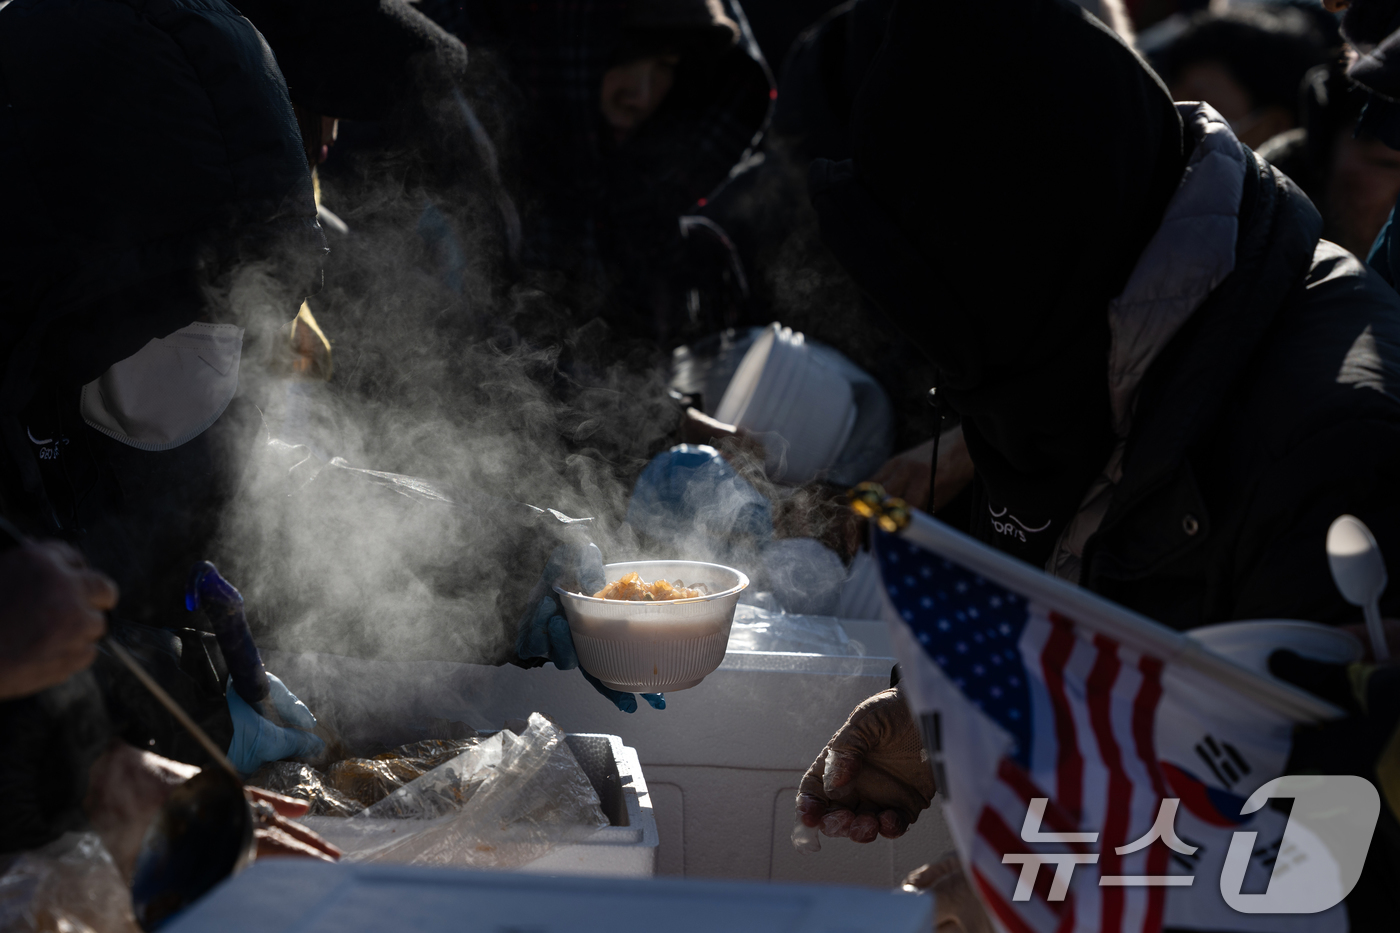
632 587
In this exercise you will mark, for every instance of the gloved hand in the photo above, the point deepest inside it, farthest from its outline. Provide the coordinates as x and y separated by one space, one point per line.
257 740
872 779
544 632
1366 742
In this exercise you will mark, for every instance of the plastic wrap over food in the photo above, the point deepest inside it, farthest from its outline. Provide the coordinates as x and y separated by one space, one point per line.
368 780
69 886
427 754
501 804
446 789
757 629
305 783
348 786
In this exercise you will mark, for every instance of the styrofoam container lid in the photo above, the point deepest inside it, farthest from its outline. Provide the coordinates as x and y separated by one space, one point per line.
311 896
1249 643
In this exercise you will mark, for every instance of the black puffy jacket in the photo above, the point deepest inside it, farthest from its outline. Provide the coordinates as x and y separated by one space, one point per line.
144 145
1273 411
1268 407
147 148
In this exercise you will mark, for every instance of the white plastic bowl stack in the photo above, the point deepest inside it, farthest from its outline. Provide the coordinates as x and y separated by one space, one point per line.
661 646
802 408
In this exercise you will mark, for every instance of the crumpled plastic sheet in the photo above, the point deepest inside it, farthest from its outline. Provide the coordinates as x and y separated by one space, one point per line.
305 783
348 786
69 886
501 804
759 629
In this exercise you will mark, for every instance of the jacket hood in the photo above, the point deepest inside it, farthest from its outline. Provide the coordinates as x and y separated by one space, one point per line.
1181 399
705 18
1000 267
1368 23
147 146
821 76
582 188
356 59
1190 255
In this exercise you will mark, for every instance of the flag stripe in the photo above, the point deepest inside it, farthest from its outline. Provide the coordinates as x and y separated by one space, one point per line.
1099 690
1006 913
1055 819
1036 706
1144 727
992 826
1069 772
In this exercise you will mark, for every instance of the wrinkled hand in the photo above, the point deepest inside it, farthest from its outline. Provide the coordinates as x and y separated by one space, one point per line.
277 835
544 632
956 908
906 475
51 616
872 779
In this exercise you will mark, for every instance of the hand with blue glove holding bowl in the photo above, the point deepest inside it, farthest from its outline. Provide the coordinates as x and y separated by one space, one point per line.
649 644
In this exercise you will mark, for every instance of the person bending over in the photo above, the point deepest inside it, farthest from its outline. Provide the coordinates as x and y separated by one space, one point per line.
1167 383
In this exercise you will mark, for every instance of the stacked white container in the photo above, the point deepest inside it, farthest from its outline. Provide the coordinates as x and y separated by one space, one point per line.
800 407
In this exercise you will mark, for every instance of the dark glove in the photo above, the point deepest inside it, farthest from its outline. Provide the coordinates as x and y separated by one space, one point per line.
544 632
1366 742
872 779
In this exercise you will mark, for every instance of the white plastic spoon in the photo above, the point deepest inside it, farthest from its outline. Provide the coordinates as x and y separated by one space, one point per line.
1359 572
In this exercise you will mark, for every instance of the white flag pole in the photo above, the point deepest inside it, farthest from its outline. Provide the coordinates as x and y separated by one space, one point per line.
1101 615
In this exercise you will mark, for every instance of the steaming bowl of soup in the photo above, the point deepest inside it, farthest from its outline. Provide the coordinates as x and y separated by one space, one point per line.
655 645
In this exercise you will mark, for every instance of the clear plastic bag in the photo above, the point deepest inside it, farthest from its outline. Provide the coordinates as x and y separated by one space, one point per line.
69 886
502 804
305 783
447 788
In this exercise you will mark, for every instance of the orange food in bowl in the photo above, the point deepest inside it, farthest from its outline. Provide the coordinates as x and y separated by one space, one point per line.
633 588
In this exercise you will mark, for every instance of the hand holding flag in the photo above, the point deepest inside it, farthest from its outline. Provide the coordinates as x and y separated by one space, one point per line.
1093 765
873 777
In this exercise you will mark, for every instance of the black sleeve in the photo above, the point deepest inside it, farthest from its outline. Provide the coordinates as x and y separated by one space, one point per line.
1281 568
47 744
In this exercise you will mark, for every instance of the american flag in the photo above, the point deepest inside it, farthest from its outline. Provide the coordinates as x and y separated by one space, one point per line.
1018 701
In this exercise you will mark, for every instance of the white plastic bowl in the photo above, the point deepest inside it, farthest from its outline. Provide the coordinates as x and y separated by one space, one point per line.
655 647
802 408
1250 643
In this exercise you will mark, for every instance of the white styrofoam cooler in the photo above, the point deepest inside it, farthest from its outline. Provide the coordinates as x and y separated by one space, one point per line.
722 761
306 896
624 849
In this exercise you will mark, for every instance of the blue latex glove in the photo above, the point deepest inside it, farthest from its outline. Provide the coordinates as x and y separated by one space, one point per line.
257 741
544 633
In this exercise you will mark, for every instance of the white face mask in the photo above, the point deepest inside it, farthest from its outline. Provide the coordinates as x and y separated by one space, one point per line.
168 392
